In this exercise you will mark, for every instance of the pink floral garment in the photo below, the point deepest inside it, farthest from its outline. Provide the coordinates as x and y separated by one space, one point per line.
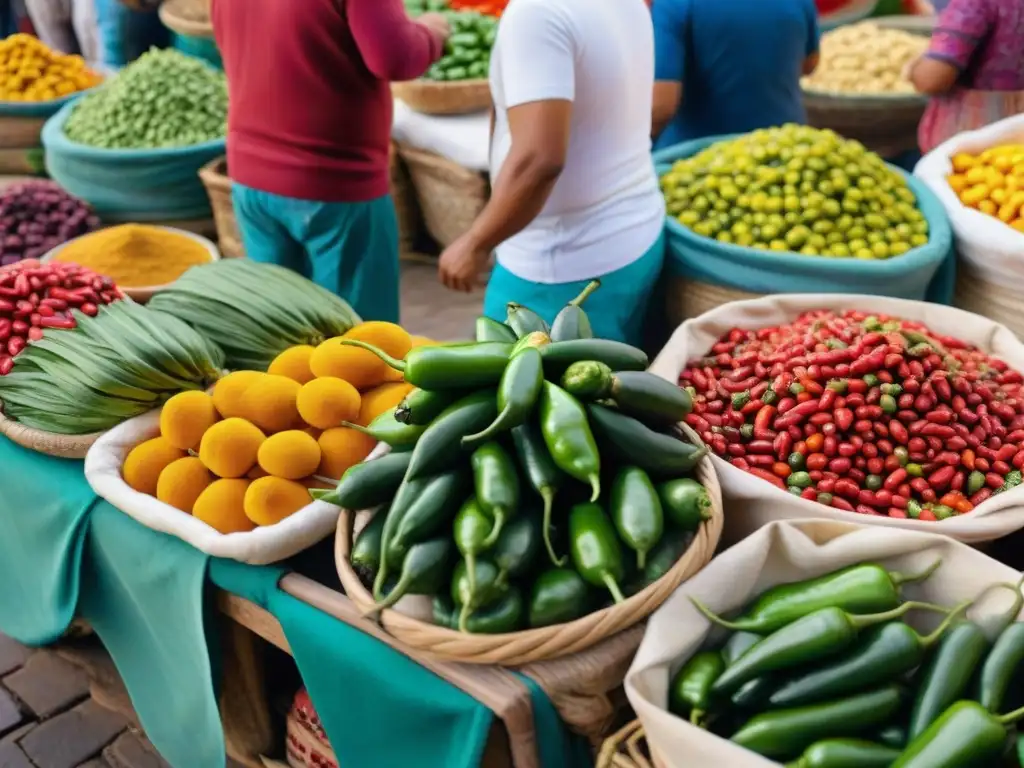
984 39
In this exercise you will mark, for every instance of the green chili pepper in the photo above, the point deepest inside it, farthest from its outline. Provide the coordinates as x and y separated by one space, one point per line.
864 588
421 406
740 399
366 548
544 477
424 570
964 735
787 732
689 690
636 511
431 512
441 443
524 321
534 340
491 330
846 753
666 554
497 486
367 484
506 614
386 429
884 653
558 596
1001 665
797 461
838 385
873 482
738 644
636 393
635 443
516 550
559 355
753 695
444 612
471 529
487 588
914 470
563 422
747 431
888 404
799 480
447 366
894 736
1012 480
572 322
407 493
975 482
517 395
807 640
595 549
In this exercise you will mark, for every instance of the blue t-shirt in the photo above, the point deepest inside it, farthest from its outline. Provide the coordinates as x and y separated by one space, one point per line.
739 62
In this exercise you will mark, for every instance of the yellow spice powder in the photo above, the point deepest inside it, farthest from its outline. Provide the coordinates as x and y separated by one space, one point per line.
136 255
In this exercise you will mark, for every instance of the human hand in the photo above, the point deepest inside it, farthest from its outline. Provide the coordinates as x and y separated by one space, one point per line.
461 263
436 23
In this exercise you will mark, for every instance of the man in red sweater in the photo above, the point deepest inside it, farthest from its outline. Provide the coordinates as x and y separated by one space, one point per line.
309 125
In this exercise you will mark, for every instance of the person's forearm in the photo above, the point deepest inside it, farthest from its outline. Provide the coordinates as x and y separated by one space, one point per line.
393 47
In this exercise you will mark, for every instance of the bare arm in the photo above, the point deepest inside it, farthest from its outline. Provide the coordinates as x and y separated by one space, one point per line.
393 46
932 76
960 30
671 19
668 95
811 63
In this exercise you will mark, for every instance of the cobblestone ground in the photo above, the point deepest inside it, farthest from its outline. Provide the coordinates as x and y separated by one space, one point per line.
50 710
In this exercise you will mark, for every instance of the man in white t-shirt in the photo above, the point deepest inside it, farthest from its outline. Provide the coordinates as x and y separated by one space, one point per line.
574 192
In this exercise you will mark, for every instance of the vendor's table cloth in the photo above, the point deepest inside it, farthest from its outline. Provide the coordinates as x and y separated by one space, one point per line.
64 552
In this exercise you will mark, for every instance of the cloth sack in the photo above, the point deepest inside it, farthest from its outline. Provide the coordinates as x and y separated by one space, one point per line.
463 139
780 553
752 502
266 544
926 272
130 184
994 250
67 25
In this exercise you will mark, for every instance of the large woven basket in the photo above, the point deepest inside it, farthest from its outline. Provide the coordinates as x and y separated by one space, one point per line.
533 645
306 743
627 749
407 210
218 187
450 196
190 18
60 446
1001 302
433 98
685 298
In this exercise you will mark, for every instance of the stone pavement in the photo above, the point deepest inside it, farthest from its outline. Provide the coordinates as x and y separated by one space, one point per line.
50 710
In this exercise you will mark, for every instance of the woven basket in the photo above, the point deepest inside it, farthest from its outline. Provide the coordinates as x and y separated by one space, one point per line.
187 17
218 188
533 645
1001 302
304 750
455 98
627 749
450 196
60 446
685 298
407 209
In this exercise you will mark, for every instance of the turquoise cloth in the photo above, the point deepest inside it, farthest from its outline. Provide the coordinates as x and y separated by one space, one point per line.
617 311
200 47
350 249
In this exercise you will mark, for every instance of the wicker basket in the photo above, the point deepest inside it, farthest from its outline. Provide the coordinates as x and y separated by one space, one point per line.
685 298
450 196
190 18
627 749
519 648
1001 302
306 743
407 210
455 98
59 446
218 187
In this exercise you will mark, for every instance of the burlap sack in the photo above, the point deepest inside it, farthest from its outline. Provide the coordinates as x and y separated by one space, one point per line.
752 502
781 553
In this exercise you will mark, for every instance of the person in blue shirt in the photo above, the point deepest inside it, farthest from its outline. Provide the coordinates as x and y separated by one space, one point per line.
730 66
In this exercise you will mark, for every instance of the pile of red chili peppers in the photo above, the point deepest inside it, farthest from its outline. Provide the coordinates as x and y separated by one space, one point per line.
862 412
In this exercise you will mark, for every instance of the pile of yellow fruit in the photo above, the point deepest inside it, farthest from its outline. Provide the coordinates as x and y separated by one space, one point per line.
31 71
992 182
247 454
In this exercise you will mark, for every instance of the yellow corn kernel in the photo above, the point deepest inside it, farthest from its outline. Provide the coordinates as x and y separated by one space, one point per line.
957 181
976 174
974 195
994 178
988 207
999 196
963 162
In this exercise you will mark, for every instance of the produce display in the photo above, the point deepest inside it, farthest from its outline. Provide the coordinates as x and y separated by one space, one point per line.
105 369
861 412
35 297
992 182
824 673
494 434
162 99
36 216
136 255
253 311
467 53
248 453
796 189
31 71
865 59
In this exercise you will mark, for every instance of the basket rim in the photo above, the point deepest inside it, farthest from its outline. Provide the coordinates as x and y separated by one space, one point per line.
29 438
545 639
182 25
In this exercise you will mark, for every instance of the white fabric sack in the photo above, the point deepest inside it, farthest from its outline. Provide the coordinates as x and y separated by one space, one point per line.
752 502
992 248
67 25
463 139
266 544
783 553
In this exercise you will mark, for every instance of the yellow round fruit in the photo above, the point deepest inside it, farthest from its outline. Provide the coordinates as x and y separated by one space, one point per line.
360 368
270 500
145 462
182 482
222 506
391 338
381 399
327 402
229 448
186 417
293 363
228 392
270 403
341 448
291 455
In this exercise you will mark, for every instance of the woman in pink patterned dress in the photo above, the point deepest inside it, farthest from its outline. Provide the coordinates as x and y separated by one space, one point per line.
973 70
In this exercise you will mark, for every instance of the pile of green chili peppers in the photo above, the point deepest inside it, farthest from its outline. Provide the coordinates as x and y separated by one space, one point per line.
467 53
534 476
825 673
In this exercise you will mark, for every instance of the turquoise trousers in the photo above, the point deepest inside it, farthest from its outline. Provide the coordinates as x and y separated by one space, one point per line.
616 311
350 249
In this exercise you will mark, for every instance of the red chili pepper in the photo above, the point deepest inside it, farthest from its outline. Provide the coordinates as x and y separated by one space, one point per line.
927 514
983 495
994 481
766 475
840 503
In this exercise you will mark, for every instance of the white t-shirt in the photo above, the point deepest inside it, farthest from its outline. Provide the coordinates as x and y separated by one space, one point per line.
606 209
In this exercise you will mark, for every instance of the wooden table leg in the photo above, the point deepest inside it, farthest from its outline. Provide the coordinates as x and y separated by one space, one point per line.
245 710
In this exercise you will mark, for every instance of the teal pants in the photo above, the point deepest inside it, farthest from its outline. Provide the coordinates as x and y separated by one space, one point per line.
350 249
616 311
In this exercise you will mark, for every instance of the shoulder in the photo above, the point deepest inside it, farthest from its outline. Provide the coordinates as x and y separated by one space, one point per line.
533 14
